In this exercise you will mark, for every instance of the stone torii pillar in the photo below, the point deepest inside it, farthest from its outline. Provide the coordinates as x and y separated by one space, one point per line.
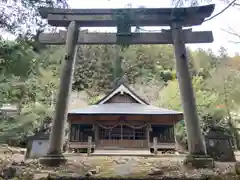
197 151
54 155
194 135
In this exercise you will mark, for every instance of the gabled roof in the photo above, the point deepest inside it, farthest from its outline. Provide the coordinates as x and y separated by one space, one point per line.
125 89
123 109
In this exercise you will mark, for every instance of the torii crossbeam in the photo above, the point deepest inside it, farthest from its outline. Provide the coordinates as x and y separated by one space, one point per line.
138 16
164 37
124 19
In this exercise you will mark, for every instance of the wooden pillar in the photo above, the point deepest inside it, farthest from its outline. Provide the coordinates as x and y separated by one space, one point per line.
96 133
195 140
78 133
155 145
89 145
61 111
70 135
133 134
172 133
121 132
148 135
174 138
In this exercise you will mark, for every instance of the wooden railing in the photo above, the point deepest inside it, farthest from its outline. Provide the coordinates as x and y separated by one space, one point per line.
124 143
77 145
163 145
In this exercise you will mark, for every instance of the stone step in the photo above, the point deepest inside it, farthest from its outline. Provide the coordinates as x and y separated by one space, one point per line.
119 152
119 148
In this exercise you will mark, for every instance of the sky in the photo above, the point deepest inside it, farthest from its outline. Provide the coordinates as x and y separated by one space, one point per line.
218 25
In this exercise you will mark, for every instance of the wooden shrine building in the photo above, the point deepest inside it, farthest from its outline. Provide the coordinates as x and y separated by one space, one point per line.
122 120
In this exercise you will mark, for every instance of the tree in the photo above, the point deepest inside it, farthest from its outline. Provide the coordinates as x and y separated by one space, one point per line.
27 80
234 62
203 62
94 68
206 101
19 17
97 67
226 81
149 89
16 59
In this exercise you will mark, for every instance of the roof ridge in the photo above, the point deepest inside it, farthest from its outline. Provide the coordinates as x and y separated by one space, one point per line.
129 90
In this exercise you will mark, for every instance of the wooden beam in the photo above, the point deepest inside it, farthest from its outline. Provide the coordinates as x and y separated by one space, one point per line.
141 16
136 38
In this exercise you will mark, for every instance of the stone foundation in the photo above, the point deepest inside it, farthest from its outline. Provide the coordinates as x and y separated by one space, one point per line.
53 160
199 161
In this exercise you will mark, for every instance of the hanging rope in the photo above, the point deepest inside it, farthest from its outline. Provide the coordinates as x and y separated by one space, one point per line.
123 123
108 127
137 127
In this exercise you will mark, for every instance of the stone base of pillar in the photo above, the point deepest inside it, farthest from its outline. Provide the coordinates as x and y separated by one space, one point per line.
199 161
53 160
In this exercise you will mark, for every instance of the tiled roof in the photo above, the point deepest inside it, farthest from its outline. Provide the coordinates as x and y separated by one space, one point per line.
123 108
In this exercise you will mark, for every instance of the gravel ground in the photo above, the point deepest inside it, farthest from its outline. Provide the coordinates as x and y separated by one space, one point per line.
167 166
82 165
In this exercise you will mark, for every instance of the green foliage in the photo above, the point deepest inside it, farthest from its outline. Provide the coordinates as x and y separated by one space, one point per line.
30 81
94 68
97 67
29 120
216 86
16 59
19 17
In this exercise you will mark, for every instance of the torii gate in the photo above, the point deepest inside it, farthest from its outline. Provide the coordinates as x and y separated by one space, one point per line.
124 19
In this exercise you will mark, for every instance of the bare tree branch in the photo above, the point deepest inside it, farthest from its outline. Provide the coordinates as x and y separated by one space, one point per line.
235 42
231 31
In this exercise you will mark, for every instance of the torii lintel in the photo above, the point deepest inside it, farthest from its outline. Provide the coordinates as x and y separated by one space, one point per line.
137 16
